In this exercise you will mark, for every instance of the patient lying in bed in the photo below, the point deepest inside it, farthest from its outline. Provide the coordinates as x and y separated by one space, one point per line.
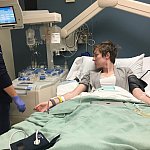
105 74
106 117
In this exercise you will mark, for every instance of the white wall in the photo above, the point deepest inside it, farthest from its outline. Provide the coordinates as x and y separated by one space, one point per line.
6 44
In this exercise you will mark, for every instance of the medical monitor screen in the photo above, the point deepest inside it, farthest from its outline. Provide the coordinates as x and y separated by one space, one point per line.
7 15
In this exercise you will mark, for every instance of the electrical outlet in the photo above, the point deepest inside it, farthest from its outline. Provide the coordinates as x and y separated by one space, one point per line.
70 1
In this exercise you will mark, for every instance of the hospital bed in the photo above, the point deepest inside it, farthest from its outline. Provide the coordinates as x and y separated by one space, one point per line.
108 118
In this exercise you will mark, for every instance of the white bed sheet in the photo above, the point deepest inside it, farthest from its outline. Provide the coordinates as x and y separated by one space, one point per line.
146 78
113 92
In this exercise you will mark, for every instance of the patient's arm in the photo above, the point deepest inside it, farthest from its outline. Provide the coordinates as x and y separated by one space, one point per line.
48 104
139 94
78 90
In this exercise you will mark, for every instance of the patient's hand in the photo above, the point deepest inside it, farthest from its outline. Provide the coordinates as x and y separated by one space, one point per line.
42 107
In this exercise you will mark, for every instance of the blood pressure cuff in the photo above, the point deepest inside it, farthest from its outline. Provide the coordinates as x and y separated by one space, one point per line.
134 82
28 143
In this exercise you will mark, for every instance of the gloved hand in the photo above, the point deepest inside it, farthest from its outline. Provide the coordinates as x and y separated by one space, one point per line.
19 102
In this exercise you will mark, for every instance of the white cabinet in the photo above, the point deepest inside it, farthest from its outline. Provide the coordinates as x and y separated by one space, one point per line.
32 94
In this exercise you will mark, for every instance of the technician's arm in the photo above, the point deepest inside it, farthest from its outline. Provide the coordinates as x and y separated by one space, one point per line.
10 91
6 85
45 105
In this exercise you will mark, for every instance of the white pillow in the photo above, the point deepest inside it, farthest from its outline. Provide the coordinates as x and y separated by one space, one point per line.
74 70
146 77
86 66
134 63
146 61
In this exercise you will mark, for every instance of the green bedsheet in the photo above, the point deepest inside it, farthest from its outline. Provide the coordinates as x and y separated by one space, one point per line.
86 124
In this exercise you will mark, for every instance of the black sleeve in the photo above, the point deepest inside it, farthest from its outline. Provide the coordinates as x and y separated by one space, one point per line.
134 82
5 80
2 63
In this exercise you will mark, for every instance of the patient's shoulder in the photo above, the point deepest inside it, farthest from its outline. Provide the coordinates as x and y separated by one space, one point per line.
125 70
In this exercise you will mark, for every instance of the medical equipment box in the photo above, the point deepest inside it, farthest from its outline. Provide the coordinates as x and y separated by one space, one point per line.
33 93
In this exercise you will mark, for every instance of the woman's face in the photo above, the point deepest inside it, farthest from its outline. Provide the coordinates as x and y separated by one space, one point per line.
100 62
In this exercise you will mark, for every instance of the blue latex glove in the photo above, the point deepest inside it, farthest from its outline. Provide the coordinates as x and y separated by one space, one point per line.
19 102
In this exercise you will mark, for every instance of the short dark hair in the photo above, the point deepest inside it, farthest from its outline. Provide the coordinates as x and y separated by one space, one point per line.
107 47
